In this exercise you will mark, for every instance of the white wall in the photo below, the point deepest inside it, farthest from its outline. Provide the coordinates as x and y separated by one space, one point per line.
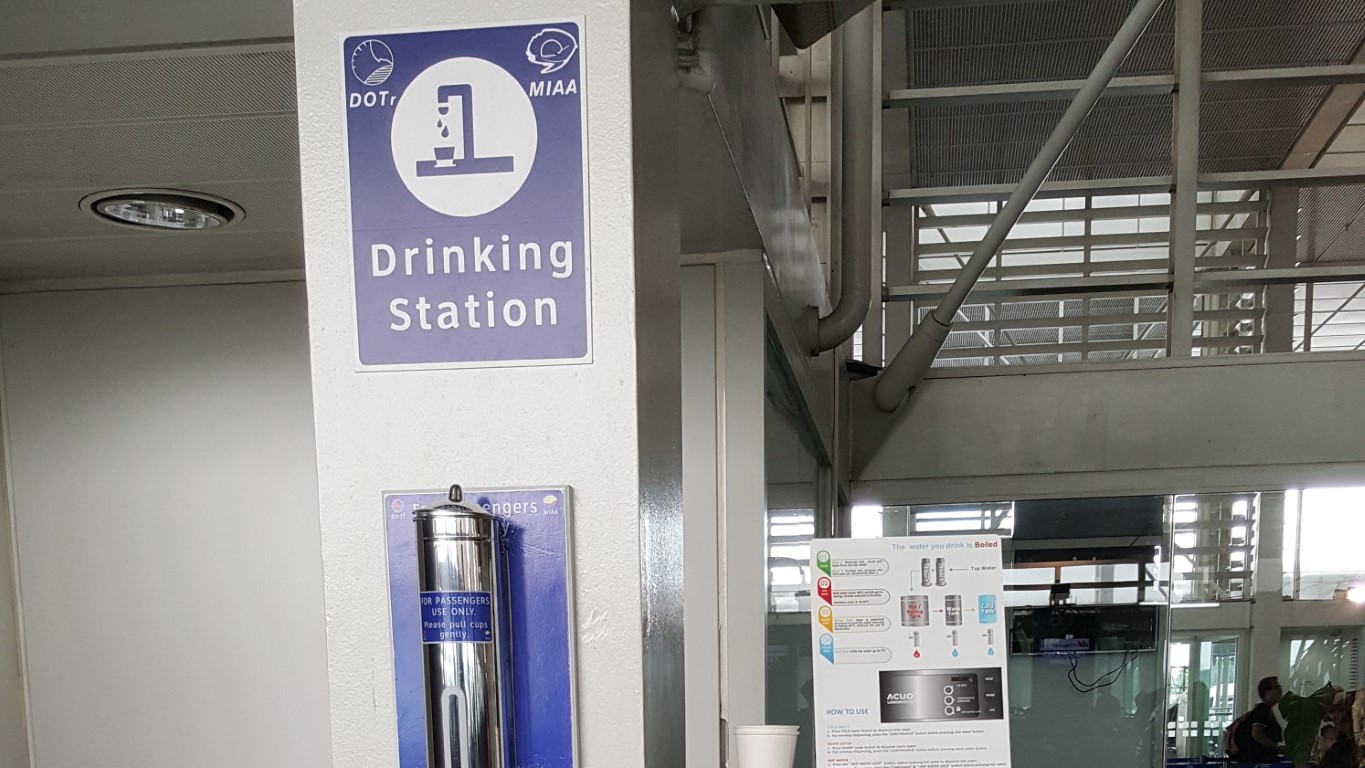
13 716
165 496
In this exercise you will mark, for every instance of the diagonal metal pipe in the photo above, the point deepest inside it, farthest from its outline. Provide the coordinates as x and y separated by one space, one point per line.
910 365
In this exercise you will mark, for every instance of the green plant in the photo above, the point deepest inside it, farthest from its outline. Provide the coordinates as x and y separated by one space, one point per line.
1303 717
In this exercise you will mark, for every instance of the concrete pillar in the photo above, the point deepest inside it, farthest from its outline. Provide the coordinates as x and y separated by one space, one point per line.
610 428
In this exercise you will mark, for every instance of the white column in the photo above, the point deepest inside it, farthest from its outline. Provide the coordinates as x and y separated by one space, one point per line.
743 509
1268 608
701 499
609 429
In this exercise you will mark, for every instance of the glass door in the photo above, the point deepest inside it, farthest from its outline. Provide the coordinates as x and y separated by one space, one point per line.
1202 694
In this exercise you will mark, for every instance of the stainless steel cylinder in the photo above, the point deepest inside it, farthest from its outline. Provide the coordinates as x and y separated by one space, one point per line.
941 572
952 609
926 576
914 610
464 651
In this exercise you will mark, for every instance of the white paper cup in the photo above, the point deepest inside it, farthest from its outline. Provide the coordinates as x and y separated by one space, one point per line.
765 746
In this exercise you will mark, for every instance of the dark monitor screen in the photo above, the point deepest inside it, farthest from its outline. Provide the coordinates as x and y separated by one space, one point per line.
1089 518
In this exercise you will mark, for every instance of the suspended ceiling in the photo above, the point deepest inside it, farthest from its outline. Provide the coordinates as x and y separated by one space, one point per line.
183 95
1241 129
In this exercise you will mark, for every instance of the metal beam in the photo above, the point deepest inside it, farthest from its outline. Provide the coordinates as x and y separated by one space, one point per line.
1332 74
1189 29
939 221
1048 90
1205 282
1047 287
1149 85
897 150
1282 251
1096 241
1126 345
1089 321
1070 321
1079 269
927 5
1251 278
1308 177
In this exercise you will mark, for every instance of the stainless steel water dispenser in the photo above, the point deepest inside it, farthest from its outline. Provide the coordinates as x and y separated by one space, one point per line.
464 646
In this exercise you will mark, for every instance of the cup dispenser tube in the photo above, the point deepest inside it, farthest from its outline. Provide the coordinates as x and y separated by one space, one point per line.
464 645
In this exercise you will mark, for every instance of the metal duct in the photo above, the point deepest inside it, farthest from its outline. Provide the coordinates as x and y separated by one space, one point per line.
806 23
860 107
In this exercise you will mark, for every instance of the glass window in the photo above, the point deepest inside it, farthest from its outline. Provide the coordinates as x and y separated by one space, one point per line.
1314 657
1324 528
1213 547
792 479
1201 695
1098 591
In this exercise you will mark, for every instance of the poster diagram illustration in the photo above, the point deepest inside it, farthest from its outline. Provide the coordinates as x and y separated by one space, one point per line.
909 665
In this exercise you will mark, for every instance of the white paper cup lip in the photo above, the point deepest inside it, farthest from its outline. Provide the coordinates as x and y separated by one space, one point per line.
767 730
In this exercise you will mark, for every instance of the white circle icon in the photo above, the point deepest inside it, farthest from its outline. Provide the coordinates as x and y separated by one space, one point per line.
372 62
464 137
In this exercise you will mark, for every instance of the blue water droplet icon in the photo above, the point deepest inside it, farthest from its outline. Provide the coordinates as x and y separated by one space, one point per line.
954 651
990 651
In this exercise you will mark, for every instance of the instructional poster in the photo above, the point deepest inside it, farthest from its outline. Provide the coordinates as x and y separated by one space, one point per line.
910 653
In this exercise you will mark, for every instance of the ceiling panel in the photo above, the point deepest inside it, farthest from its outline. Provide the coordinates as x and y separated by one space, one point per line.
148 87
175 253
55 26
219 121
1329 224
1242 129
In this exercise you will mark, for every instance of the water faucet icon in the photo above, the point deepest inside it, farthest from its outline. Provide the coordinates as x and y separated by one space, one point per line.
454 152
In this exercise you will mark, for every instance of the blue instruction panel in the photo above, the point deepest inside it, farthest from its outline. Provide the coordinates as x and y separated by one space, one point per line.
536 555
457 617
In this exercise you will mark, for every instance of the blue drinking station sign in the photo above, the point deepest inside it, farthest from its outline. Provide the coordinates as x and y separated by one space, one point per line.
467 168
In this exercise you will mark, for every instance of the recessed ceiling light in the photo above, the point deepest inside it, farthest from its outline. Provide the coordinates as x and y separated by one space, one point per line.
167 209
